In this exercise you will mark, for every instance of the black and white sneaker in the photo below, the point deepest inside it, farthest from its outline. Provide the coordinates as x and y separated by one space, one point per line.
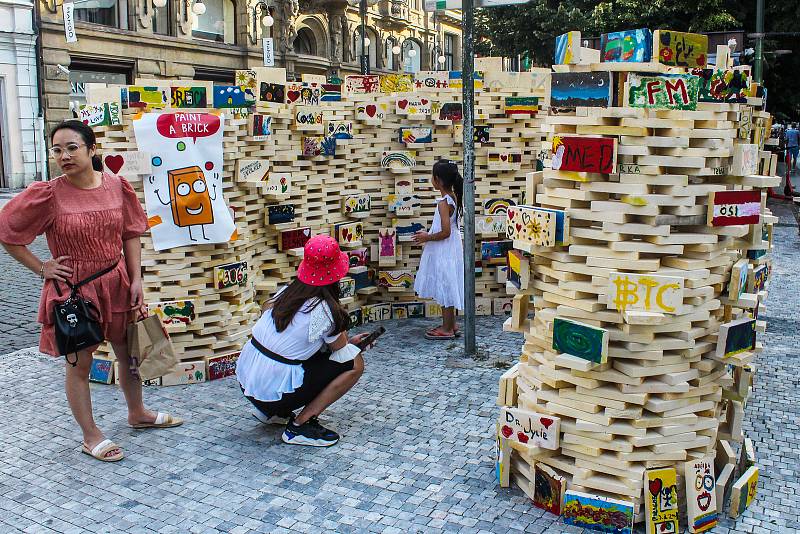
269 420
310 433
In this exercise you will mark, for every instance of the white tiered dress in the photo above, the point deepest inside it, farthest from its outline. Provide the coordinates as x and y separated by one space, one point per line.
441 269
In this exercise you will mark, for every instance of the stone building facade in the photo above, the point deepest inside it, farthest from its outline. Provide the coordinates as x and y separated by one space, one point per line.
120 41
22 150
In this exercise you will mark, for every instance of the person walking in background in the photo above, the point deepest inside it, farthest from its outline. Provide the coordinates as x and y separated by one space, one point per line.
286 366
441 270
92 221
793 146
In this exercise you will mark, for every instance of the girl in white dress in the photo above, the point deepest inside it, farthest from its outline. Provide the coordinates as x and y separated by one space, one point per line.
441 269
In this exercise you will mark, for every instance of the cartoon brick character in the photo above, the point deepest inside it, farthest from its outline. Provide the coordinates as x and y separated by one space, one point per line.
190 199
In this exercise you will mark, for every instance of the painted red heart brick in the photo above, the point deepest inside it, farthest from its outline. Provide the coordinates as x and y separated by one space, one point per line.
371 110
522 437
546 422
402 104
655 486
507 431
292 95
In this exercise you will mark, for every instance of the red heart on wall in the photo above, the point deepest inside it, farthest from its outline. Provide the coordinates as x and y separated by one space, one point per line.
507 431
371 109
424 100
546 422
292 96
504 157
402 103
114 163
655 486
510 214
522 437
519 227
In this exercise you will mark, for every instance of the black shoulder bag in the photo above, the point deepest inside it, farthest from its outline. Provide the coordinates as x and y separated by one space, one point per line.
77 320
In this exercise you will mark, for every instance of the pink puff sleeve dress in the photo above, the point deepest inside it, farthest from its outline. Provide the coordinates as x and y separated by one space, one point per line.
89 226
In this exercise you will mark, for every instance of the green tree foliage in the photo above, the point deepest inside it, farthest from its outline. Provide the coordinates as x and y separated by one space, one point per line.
530 30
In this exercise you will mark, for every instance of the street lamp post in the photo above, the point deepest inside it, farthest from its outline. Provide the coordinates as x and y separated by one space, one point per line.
467 68
362 9
759 59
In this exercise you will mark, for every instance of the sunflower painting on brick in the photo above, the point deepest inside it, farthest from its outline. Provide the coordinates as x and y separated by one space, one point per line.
532 225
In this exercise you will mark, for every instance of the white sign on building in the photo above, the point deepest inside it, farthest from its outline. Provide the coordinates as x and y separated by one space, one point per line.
69 22
269 51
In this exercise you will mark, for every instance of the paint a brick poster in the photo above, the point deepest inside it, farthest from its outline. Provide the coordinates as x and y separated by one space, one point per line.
183 195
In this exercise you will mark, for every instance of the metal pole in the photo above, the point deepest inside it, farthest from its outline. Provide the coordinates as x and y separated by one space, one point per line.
759 59
467 68
362 9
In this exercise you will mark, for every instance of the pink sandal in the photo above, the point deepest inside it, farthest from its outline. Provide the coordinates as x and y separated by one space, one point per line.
438 334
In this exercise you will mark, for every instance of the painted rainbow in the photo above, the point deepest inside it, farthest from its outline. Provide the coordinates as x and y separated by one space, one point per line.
397 159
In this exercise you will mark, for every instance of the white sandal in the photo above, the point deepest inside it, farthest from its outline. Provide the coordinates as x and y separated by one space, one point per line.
101 449
163 420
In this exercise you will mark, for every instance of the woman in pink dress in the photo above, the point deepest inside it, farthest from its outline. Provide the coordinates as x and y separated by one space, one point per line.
92 221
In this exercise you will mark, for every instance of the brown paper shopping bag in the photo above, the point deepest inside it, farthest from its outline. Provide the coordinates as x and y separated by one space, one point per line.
150 348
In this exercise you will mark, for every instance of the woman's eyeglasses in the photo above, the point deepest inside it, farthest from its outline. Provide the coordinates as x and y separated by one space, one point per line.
70 149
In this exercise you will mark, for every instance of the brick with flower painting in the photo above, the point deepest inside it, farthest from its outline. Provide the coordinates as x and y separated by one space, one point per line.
531 225
681 49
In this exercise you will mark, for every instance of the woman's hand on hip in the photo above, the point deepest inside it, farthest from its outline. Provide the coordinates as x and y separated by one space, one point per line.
137 295
54 270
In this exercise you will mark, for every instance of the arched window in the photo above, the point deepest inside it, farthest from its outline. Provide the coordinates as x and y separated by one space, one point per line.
411 64
162 20
390 43
106 12
372 49
217 23
305 43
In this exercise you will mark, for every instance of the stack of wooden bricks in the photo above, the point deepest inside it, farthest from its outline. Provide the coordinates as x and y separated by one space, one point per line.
372 193
645 254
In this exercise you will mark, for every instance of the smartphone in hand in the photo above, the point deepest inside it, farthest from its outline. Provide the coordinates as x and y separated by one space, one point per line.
370 339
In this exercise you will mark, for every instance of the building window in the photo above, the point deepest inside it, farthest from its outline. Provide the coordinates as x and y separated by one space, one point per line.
390 43
217 23
78 78
449 48
305 43
106 12
210 74
372 49
162 20
411 64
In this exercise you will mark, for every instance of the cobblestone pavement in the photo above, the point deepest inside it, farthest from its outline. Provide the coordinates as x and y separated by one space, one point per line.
416 453
19 300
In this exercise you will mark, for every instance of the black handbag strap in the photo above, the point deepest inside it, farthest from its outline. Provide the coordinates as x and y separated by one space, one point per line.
95 276
271 355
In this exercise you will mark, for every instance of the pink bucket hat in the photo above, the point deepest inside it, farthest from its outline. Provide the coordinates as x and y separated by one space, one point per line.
323 262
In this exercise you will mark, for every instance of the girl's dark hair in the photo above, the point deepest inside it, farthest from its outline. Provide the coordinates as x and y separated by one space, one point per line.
288 302
446 172
86 133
